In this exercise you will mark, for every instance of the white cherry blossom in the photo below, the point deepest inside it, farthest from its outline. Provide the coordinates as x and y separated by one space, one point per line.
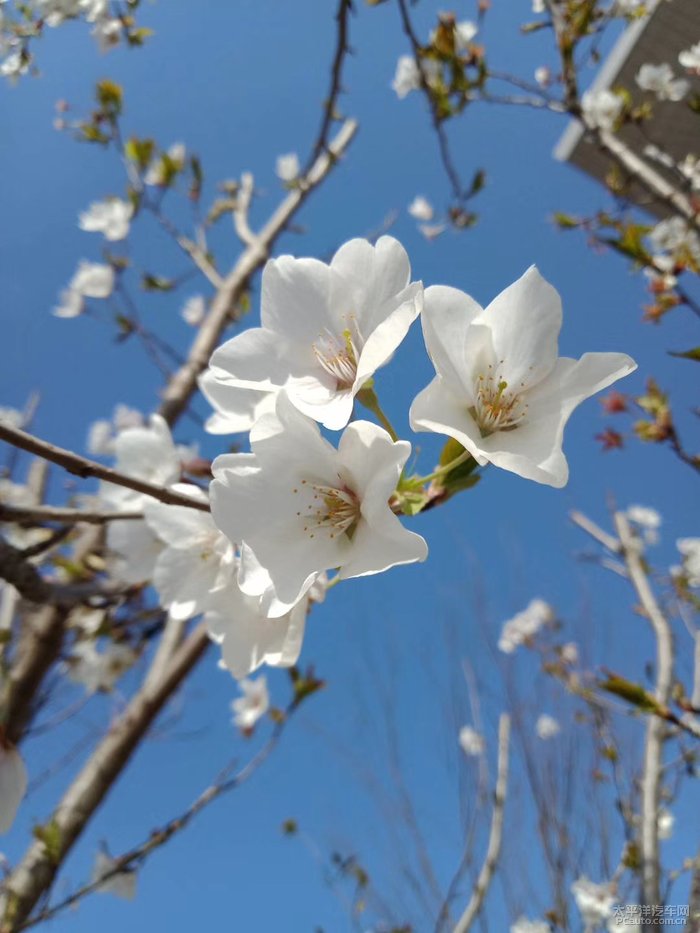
253 705
194 310
122 884
287 167
660 80
601 109
111 218
326 329
148 453
107 32
421 208
689 548
690 58
547 727
197 560
676 238
464 33
91 280
156 174
523 925
407 76
13 784
543 76
471 741
647 519
248 637
594 901
303 507
501 390
665 822
525 625
99 670
11 416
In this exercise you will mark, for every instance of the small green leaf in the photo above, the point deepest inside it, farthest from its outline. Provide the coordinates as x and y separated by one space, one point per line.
693 354
156 283
50 835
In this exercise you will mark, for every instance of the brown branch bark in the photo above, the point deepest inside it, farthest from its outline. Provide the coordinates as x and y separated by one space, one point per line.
81 466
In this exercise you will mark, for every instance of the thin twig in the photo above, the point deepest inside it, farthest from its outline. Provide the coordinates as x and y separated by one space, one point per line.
656 727
342 48
493 850
158 837
81 466
608 541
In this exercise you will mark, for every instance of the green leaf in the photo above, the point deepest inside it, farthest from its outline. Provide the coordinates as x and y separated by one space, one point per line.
632 693
156 283
693 354
139 151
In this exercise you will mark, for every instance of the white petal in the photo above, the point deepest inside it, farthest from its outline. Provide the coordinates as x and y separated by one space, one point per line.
446 319
384 543
370 276
237 409
391 324
373 461
177 525
295 298
525 320
258 359
534 450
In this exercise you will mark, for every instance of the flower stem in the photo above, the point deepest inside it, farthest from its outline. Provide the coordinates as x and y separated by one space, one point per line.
441 471
368 397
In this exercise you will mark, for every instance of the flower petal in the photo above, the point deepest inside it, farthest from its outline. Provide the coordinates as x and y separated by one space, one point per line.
446 319
295 298
382 544
437 409
525 320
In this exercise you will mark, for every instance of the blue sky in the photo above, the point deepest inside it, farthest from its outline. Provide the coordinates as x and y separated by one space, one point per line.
240 84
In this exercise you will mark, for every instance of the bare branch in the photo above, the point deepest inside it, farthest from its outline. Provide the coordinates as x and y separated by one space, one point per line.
595 531
49 513
342 48
493 851
244 196
656 728
184 383
81 466
29 583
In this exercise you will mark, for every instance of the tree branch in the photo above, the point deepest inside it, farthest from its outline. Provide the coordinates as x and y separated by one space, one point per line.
49 513
81 466
493 851
656 727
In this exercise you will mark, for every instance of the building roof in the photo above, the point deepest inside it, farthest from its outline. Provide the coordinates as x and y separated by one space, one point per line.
670 27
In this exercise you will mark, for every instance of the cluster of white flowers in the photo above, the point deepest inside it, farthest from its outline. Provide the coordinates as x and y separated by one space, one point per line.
689 549
110 217
162 166
424 212
471 741
660 81
407 77
297 506
594 901
647 520
103 433
674 242
690 58
523 925
99 670
91 280
253 705
525 625
601 109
